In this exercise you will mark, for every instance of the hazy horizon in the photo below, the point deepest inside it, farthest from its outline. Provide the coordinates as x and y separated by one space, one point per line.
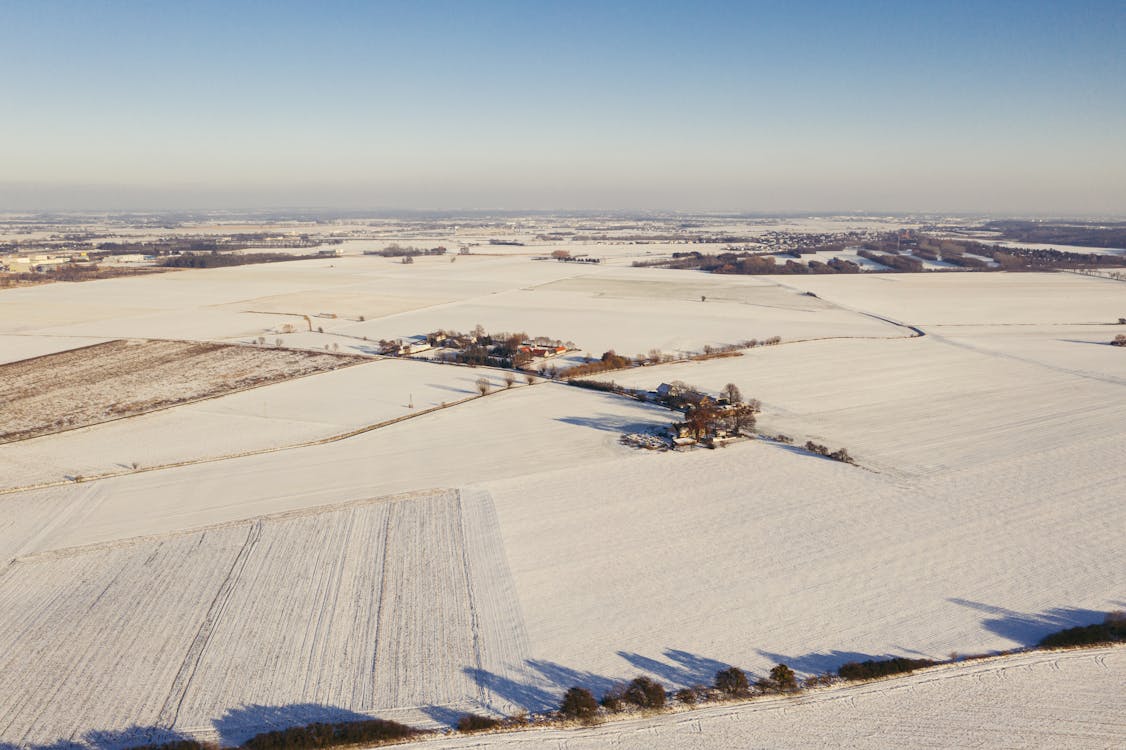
1008 108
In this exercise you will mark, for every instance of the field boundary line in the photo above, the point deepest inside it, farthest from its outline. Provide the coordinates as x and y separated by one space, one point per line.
284 515
255 452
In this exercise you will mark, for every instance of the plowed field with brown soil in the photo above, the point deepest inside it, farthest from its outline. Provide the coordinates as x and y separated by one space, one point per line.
123 378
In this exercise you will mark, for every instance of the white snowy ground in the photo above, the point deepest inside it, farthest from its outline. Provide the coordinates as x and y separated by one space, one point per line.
15 347
986 514
1060 700
273 416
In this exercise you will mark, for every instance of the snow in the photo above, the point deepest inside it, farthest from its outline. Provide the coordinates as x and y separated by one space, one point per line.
534 552
315 407
370 606
1064 700
13 348
974 298
925 405
755 554
509 433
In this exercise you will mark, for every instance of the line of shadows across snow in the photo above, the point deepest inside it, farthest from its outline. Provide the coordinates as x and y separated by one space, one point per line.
546 681
1027 630
1030 629
237 725
819 662
451 389
107 740
234 727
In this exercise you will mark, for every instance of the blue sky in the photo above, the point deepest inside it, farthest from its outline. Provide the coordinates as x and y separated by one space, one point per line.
988 106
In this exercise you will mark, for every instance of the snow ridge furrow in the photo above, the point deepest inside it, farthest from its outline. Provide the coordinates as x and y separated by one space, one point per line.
170 711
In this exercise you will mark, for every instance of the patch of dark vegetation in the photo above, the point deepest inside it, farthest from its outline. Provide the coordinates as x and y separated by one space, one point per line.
477 723
216 259
579 704
644 692
1088 235
396 250
1110 630
598 385
612 699
823 450
72 272
368 732
873 668
610 360
1119 340
732 681
782 680
903 251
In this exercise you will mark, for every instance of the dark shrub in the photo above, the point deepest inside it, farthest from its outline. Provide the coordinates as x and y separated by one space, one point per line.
579 704
867 670
732 681
817 680
645 693
613 699
372 731
783 678
476 723
686 696
1112 630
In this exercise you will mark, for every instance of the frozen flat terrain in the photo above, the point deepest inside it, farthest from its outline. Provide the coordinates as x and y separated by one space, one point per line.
372 606
274 416
520 549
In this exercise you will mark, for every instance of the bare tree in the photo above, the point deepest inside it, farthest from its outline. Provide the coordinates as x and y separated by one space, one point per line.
509 379
529 378
483 385
732 393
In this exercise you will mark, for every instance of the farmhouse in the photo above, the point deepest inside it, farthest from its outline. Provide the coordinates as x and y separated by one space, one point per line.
406 346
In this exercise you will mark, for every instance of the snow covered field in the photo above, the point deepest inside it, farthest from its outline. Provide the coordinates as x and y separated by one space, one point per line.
318 407
372 606
1060 700
527 430
535 552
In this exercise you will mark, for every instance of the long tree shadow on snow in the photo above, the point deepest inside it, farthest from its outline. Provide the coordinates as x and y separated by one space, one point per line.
237 725
546 681
822 662
1030 629
685 670
234 727
612 423
115 739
